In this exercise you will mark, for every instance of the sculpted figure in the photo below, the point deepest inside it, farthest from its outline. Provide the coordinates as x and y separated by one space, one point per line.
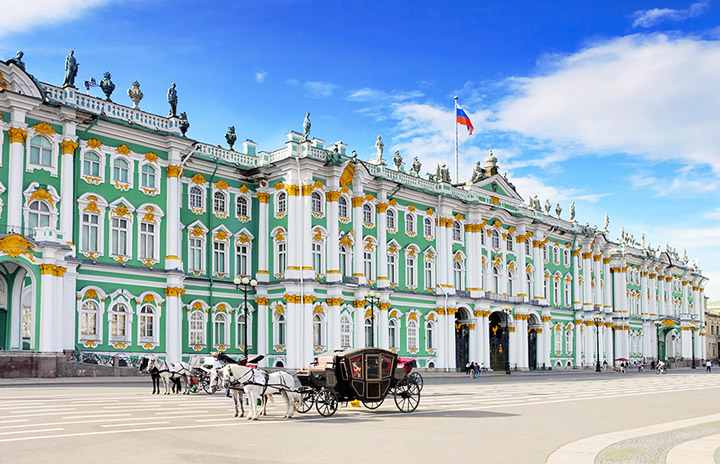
107 86
478 173
416 166
607 222
379 145
17 61
71 69
558 210
172 99
572 212
397 160
306 127
547 206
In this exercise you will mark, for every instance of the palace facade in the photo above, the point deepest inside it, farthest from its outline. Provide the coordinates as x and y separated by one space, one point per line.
122 236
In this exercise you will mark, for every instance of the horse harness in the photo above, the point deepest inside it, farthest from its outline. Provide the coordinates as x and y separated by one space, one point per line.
238 383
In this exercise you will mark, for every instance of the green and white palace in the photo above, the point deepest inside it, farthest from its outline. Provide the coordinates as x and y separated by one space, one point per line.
120 236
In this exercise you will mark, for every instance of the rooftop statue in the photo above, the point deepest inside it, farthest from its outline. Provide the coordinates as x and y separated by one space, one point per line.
306 127
333 157
230 136
416 166
172 99
558 210
397 161
107 86
547 206
478 173
71 69
572 212
354 157
184 124
642 241
135 94
17 61
443 173
380 146
607 222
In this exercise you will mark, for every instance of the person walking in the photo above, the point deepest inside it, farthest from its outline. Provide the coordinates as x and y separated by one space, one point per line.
467 367
708 366
476 370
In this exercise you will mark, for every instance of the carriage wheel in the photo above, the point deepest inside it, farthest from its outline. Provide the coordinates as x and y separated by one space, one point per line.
417 378
407 396
326 402
307 398
205 381
373 404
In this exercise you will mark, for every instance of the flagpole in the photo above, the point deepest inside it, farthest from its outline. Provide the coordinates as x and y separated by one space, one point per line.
457 177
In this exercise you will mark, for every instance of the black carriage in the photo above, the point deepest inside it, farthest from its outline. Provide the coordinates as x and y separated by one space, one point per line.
366 375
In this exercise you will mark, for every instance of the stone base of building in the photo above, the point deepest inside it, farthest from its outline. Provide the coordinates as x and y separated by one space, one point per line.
16 364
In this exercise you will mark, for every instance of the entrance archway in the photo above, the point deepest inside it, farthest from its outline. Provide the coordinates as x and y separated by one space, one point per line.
533 327
499 349
462 337
18 309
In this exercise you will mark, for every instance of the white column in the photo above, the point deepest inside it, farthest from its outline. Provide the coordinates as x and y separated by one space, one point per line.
579 331
382 270
540 347
587 279
685 296
48 305
590 344
307 267
479 335
519 284
359 318
597 294
263 237
512 342
449 259
577 293
69 282
524 355
441 261
539 268
503 290
262 328
14 205
358 247
383 338
173 324
67 182
609 352
295 235
450 354
607 293
172 221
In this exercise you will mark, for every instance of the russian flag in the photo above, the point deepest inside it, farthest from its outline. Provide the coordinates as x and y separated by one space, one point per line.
462 118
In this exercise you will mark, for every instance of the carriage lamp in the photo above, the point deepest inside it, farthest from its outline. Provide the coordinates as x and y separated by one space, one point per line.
246 286
598 320
373 298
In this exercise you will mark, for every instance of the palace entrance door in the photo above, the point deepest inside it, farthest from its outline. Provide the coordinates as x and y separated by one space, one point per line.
499 354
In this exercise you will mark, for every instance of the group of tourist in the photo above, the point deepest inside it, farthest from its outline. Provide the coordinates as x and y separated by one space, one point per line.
475 369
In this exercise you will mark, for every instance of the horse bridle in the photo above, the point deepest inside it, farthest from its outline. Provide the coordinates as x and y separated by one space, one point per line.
239 380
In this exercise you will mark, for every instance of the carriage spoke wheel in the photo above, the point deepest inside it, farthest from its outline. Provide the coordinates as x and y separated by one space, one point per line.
407 396
417 378
326 402
370 404
307 398
205 381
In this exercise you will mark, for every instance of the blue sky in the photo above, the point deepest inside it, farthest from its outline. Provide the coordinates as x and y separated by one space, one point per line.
614 105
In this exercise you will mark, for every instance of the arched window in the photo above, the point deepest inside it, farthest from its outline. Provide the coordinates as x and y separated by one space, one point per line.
412 335
556 291
281 203
545 253
39 215
567 293
343 208
280 327
220 327
459 275
196 197
118 322
147 324
569 340
410 223
390 216
545 287
345 261
430 336
345 332
241 207
566 257
556 255
89 320
393 334
316 202
510 240
220 202
197 328
428 222
368 214
121 171
91 164
147 176
482 237
558 339
527 247
529 284
40 151
495 239
496 280
510 277
318 339
369 339
90 232
457 231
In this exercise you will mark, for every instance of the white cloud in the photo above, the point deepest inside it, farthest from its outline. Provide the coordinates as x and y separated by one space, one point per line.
648 95
713 215
23 16
293 82
685 182
648 18
260 76
317 89
367 94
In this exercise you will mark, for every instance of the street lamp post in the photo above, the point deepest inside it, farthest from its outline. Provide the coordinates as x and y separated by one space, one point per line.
598 319
692 330
373 298
507 312
246 286
658 324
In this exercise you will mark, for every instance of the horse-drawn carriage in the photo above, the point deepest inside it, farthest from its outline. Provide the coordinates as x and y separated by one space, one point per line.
367 375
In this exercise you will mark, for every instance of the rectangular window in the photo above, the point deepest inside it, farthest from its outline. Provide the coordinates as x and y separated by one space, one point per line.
195 254
282 257
242 256
219 257
392 269
367 260
119 237
429 274
410 273
90 233
317 258
147 240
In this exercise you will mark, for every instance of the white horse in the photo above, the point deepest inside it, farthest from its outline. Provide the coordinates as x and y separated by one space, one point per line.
169 371
237 393
257 384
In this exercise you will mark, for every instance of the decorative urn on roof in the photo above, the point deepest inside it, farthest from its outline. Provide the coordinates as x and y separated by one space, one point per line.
491 165
135 94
